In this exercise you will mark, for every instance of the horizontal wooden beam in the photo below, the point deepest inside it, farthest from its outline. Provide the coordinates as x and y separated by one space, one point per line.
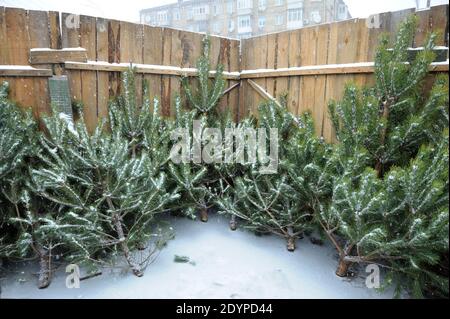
46 56
142 68
23 71
439 67
351 68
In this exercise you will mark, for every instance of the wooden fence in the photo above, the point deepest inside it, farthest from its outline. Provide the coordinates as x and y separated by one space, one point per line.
110 46
282 61
311 64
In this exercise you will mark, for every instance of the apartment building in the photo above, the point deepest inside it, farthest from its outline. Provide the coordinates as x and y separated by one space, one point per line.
244 18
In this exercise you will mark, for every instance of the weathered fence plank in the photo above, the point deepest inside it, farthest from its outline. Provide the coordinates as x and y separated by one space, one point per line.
152 54
102 77
88 29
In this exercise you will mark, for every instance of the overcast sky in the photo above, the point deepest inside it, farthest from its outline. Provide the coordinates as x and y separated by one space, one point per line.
129 9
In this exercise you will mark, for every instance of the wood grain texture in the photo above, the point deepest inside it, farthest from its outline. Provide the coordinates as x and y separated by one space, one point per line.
165 79
102 77
234 65
24 71
70 38
88 40
56 56
152 54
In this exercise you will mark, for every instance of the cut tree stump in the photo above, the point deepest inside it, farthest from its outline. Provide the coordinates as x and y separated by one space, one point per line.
291 244
342 269
44 271
204 215
233 223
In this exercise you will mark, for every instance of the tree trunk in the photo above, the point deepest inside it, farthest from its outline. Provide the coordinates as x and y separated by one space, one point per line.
204 215
386 108
126 252
133 150
291 243
233 223
44 271
290 239
343 266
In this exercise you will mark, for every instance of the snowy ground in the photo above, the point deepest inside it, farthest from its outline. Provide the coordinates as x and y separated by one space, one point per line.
227 265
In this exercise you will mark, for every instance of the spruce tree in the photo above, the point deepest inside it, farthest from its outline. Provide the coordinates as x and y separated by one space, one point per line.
17 148
390 181
386 124
22 211
197 180
400 221
417 198
142 125
109 197
280 203
306 161
205 98
191 177
233 164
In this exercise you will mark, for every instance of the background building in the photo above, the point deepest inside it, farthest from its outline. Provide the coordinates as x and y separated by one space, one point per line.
244 18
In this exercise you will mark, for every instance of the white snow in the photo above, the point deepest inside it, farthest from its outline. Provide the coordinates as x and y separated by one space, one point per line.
446 62
311 67
63 49
227 265
323 67
16 67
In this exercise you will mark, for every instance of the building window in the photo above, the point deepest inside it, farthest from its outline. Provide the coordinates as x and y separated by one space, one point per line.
262 4
148 18
261 22
294 15
279 20
244 22
217 27
230 7
216 9
230 26
161 17
176 15
244 4
200 10
203 26
189 12
279 2
315 17
342 11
